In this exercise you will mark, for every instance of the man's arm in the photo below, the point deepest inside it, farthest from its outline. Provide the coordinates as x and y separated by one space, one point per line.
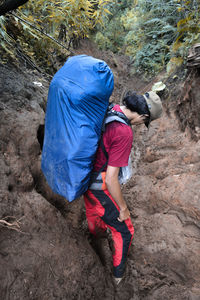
114 189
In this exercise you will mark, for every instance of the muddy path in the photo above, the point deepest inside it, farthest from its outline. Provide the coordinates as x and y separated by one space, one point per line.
45 249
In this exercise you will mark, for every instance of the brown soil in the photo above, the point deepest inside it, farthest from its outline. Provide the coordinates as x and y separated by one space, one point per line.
47 252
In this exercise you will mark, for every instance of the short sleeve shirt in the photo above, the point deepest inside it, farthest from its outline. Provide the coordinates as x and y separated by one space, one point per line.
118 139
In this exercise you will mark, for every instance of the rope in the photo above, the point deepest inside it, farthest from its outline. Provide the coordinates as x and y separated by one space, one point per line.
46 34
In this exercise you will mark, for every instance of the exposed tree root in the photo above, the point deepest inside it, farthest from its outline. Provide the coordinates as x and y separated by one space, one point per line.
14 225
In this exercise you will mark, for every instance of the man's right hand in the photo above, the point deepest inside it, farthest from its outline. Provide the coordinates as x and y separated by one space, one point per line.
113 186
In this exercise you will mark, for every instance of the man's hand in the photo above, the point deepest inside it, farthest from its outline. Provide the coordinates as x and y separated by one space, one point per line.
124 214
114 189
138 119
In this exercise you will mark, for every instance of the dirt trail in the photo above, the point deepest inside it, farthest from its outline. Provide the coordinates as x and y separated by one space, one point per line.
164 197
49 256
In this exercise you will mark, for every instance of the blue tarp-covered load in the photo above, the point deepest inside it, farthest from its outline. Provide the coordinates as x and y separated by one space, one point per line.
77 101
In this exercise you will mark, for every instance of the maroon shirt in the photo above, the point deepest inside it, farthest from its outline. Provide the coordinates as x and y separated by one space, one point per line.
118 139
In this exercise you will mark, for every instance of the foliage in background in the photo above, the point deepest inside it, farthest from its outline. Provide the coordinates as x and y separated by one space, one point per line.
188 27
111 35
151 32
78 17
151 26
65 21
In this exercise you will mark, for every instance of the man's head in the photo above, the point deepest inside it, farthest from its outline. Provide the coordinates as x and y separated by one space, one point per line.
148 105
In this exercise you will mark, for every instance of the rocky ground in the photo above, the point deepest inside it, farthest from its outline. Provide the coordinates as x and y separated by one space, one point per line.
45 249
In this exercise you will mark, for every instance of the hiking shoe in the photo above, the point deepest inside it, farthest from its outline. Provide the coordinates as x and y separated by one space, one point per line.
117 280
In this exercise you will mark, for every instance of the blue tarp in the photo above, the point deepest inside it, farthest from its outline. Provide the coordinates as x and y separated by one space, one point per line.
77 101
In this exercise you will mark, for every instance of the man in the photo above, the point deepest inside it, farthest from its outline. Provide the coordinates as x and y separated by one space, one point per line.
106 206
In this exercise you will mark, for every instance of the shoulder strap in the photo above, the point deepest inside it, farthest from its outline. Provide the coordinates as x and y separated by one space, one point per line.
103 148
105 153
113 115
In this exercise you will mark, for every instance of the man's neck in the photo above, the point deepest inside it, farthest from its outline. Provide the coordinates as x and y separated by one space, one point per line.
126 111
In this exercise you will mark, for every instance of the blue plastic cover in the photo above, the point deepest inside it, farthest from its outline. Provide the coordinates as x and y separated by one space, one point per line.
77 102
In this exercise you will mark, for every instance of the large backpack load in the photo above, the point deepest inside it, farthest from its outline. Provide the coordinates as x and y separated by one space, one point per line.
77 102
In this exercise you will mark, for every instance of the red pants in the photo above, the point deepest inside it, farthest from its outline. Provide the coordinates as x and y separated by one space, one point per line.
102 212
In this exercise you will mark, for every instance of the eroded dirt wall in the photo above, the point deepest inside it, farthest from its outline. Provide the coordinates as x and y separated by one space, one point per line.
41 256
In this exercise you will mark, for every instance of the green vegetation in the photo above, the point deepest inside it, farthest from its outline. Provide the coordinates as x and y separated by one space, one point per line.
151 32
33 30
111 35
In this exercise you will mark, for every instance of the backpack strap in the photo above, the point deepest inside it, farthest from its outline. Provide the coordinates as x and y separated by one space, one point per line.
95 181
113 115
105 153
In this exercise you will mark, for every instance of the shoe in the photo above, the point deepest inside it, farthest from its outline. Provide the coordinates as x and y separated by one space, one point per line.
117 280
